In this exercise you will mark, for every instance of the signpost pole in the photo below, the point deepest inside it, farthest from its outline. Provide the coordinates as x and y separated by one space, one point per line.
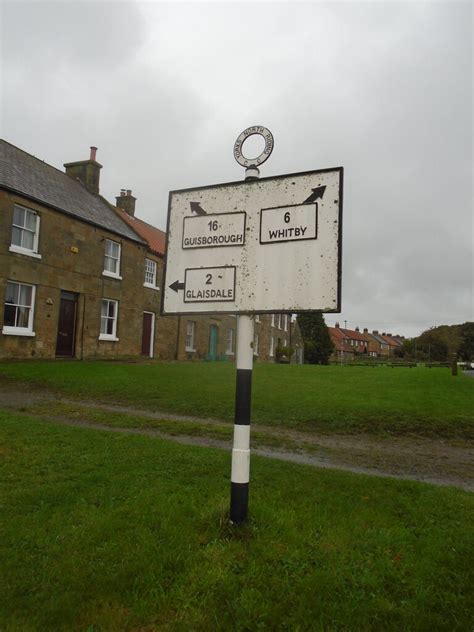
240 474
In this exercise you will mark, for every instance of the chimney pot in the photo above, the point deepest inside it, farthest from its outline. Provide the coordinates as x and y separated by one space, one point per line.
357 329
337 325
375 331
86 171
366 331
126 201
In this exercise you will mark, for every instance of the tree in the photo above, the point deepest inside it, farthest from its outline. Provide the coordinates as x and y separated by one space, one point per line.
318 345
466 349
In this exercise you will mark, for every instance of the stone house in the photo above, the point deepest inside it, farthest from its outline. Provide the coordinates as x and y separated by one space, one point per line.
71 270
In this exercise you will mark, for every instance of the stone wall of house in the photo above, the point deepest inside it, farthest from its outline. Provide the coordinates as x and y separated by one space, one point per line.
72 259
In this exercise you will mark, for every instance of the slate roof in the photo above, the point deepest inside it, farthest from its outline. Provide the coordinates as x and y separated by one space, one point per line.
23 173
378 338
155 237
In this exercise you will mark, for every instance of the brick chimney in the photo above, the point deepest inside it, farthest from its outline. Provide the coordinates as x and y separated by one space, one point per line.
126 201
357 329
87 171
366 331
337 326
375 331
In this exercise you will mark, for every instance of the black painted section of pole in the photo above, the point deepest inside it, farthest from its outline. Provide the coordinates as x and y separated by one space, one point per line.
243 396
239 502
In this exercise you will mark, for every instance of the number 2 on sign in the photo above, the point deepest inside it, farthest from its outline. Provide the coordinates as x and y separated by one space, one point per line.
208 279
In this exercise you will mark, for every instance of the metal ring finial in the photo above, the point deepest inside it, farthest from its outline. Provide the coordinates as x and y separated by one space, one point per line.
250 131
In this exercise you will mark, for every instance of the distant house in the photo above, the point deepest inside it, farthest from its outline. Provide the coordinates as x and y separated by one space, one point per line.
394 343
351 343
343 352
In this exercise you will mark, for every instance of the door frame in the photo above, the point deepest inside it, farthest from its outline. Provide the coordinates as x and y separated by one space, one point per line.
152 335
214 327
75 300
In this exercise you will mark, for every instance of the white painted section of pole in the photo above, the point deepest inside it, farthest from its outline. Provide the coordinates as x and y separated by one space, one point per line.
241 455
241 437
240 465
245 336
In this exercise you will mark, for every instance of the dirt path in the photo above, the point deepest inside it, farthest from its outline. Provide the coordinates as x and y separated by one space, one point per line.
436 461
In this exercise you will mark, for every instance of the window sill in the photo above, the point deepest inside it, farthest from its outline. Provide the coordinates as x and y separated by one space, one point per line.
16 331
230 353
190 350
108 337
24 251
152 287
111 275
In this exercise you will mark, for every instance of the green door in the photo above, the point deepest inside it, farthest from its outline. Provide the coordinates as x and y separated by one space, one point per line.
213 342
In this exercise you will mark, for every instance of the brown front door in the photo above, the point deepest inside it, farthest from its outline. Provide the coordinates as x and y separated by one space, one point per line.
66 325
147 335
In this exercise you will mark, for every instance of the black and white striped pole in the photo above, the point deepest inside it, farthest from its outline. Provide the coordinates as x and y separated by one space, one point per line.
240 474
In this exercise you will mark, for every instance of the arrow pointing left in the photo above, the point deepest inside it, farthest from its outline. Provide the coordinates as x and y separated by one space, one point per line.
177 286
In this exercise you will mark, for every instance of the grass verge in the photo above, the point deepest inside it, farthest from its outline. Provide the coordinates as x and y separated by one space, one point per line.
328 399
108 531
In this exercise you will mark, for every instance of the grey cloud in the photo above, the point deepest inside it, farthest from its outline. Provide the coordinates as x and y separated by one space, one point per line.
384 89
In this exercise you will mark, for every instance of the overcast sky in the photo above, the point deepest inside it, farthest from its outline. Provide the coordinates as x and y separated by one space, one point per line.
163 90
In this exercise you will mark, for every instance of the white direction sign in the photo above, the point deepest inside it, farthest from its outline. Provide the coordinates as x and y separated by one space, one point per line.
267 245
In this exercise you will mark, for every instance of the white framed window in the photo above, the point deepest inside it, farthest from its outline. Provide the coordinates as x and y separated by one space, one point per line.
229 342
257 318
284 318
150 274
112 259
272 347
277 321
25 232
273 320
108 320
190 330
19 309
255 344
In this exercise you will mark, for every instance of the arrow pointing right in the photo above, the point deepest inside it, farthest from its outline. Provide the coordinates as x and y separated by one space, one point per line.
317 193
177 286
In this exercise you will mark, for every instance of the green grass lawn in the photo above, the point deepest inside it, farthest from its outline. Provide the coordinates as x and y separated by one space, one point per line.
328 398
104 531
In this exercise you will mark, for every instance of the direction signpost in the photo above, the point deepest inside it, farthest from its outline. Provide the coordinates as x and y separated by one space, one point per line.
250 247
